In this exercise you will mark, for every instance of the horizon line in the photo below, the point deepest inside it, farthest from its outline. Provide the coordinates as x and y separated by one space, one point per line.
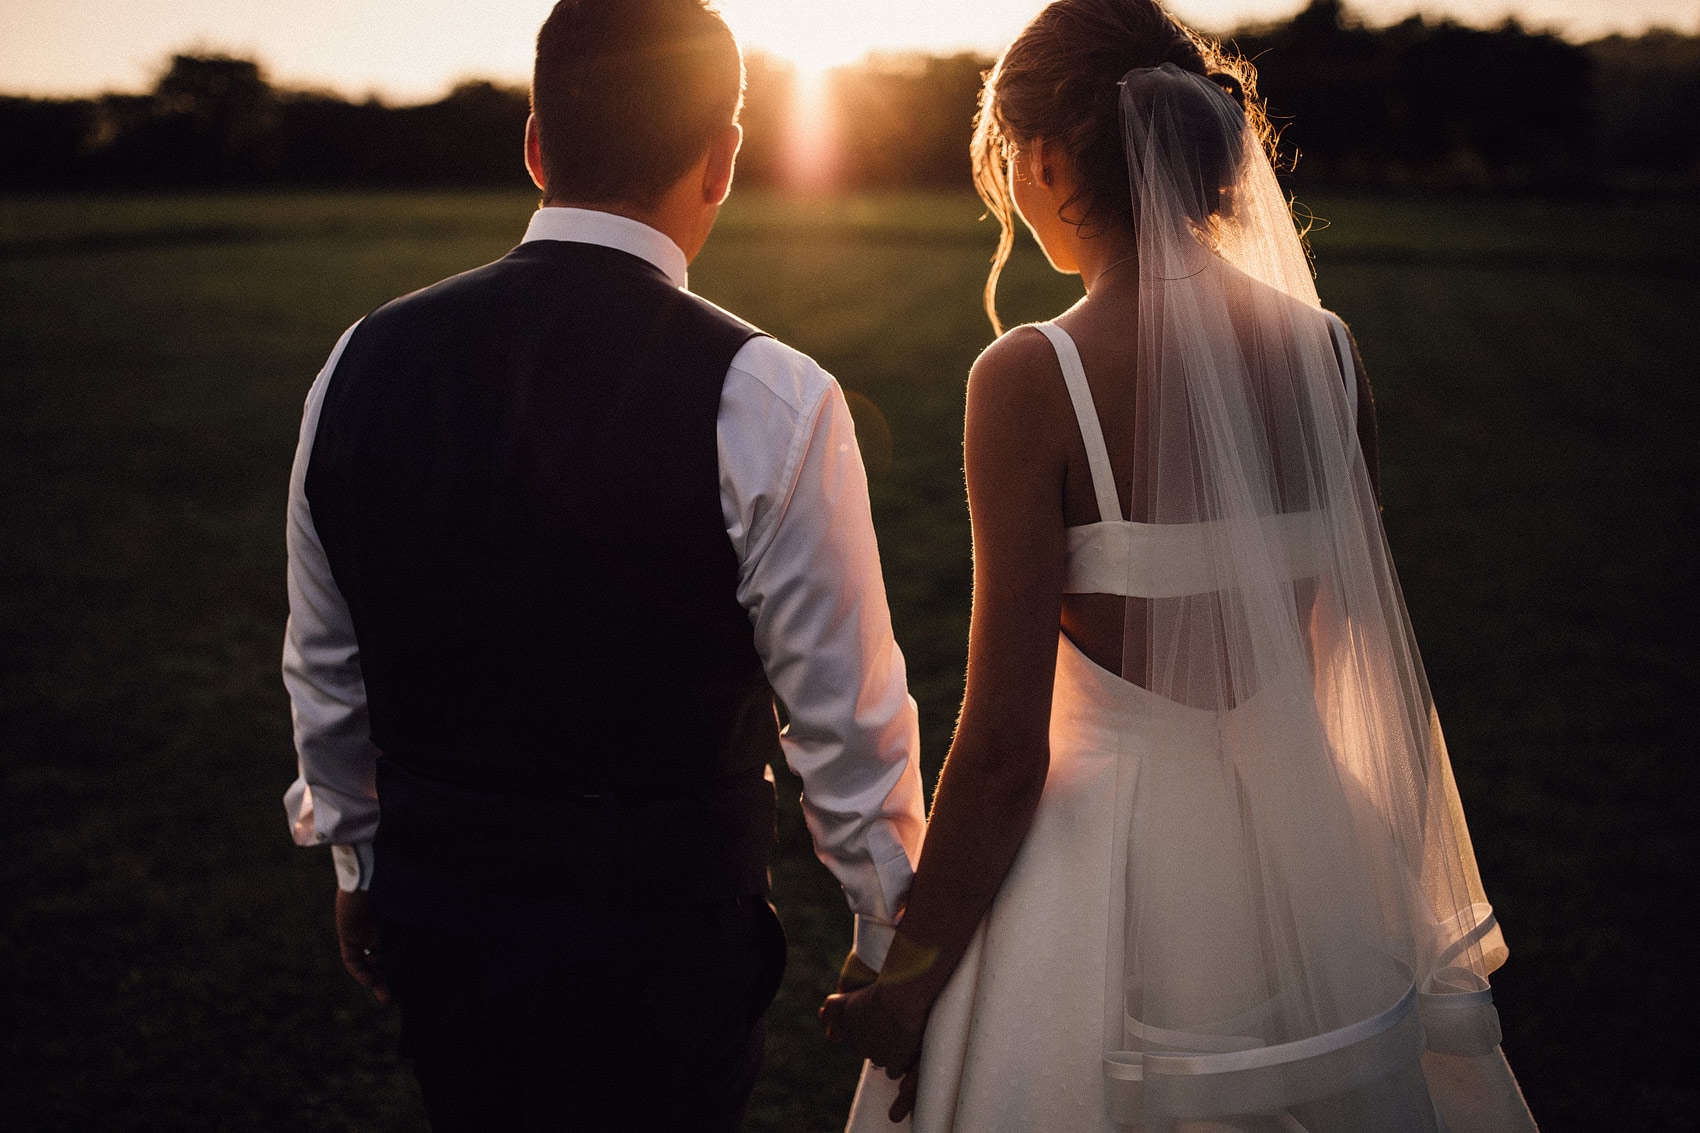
310 86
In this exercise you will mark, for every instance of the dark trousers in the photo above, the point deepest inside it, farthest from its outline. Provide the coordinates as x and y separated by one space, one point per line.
590 1017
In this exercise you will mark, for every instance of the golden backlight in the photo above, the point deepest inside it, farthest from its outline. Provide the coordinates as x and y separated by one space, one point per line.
811 144
813 37
414 50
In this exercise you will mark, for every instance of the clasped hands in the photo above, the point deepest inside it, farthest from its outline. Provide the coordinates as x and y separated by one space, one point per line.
882 1015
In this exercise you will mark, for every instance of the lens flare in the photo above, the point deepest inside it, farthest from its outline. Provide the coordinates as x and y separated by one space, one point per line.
811 150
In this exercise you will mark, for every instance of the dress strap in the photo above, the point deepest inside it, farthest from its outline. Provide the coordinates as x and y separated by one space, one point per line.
1343 343
1097 455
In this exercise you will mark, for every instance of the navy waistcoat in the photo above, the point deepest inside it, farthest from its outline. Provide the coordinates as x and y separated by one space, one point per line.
516 483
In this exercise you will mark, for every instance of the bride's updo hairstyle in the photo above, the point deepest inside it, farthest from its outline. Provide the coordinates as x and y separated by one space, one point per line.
1060 81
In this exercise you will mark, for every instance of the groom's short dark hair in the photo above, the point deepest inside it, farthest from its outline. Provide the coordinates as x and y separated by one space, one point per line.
629 93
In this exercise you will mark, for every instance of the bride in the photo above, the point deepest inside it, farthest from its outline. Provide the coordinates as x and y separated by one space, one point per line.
1197 860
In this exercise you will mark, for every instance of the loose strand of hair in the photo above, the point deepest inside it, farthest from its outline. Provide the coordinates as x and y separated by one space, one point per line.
991 181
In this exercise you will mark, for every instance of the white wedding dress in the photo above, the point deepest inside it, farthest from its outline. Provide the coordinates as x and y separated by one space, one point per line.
1141 814
1248 899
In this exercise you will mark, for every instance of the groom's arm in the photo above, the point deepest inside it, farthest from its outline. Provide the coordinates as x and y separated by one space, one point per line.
795 498
333 799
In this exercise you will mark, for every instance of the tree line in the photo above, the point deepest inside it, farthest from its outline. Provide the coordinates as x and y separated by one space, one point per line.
1421 102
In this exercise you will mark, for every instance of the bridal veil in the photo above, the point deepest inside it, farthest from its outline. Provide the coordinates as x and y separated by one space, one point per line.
1301 931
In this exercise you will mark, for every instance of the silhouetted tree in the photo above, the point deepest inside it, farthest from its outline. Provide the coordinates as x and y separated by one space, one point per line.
767 118
327 141
1648 104
213 119
1433 103
45 140
904 120
473 136
1430 102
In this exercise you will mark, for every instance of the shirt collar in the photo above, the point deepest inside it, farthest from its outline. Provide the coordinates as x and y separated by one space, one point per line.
622 233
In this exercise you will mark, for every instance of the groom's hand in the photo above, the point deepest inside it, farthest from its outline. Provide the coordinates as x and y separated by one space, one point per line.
357 937
905 1103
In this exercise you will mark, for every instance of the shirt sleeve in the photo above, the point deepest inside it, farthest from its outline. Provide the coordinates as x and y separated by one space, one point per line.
795 499
334 798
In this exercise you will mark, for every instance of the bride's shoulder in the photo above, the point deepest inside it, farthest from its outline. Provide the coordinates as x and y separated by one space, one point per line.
1258 296
1016 391
1013 361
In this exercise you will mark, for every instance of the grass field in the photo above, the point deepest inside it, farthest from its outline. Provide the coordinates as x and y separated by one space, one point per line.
169 956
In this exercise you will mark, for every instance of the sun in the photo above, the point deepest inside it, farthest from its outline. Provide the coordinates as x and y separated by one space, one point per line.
814 38
815 55
811 143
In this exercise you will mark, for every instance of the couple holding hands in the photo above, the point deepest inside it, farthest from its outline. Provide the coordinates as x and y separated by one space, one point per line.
561 534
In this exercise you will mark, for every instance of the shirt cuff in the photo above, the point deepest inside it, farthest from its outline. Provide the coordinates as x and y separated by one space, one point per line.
872 940
354 868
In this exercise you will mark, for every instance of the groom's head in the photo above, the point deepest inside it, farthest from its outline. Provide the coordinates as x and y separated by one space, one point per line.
628 96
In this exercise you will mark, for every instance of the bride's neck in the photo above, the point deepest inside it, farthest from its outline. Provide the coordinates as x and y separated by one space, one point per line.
1104 260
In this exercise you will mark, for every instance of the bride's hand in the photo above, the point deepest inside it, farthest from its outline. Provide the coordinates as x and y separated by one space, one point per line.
881 1036
882 1022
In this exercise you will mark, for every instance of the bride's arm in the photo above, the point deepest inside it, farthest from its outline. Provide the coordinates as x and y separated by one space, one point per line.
1016 440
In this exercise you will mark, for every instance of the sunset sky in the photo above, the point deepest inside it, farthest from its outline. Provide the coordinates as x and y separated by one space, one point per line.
411 50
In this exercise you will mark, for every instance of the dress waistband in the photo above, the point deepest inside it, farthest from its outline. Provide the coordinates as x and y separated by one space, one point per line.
1094 708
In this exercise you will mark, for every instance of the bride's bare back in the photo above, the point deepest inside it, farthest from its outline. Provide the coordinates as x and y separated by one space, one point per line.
1103 329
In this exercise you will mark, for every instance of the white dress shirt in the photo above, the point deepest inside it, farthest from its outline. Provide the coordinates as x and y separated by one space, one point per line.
794 498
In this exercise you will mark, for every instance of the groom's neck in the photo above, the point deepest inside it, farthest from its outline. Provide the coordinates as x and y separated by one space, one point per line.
617 208
681 215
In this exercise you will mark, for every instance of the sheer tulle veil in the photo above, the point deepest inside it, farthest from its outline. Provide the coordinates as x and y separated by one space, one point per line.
1302 922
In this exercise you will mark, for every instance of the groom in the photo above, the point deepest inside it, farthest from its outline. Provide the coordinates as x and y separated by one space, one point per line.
559 533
